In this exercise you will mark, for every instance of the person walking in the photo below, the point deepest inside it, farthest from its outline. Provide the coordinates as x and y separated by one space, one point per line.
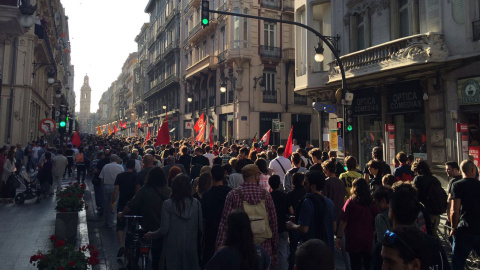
80 161
8 189
60 163
181 223
280 165
296 168
108 175
239 252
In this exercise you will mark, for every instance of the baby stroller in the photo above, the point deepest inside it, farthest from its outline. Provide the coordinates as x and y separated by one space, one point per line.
32 188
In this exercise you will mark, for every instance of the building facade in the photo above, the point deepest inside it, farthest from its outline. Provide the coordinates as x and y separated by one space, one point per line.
412 64
36 74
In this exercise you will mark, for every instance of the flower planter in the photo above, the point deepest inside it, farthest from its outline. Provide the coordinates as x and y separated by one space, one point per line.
66 224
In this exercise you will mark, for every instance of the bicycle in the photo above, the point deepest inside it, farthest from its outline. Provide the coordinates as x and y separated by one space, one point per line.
137 247
473 259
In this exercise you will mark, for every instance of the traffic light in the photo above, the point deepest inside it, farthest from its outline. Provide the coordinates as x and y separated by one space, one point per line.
205 13
340 128
62 123
348 119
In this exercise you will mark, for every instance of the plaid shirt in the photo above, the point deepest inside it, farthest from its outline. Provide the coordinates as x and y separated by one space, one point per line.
253 195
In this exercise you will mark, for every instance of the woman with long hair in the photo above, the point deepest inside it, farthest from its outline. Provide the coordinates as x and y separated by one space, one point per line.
181 223
204 184
263 167
357 221
174 171
239 252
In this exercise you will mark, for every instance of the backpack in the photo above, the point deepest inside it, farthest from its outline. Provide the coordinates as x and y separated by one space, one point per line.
319 210
79 158
436 202
258 216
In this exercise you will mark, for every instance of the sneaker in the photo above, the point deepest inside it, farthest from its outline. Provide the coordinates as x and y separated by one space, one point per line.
121 252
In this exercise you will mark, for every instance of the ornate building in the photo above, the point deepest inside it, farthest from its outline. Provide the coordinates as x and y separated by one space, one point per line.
84 115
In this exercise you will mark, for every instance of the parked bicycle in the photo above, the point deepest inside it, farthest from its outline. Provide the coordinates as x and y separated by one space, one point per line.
137 248
473 259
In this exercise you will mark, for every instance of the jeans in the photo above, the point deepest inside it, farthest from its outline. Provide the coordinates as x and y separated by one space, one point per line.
294 238
283 250
110 219
81 170
463 243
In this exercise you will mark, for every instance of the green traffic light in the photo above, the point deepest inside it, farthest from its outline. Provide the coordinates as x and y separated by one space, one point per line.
62 124
66 119
349 127
204 21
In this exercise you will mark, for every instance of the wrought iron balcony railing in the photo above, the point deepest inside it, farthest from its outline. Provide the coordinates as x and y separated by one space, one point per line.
271 3
270 51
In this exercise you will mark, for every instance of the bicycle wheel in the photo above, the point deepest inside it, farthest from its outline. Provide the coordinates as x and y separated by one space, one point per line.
473 261
144 262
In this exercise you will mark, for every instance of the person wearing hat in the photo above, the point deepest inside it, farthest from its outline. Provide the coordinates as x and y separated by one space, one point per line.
252 193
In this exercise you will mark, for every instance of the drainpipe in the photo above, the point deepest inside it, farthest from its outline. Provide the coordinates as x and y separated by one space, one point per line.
287 68
12 79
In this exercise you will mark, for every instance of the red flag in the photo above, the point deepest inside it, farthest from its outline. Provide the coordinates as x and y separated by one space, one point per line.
139 125
115 129
76 139
200 123
288 148
148 136
266 138
120 125
210 136
201 134
163 136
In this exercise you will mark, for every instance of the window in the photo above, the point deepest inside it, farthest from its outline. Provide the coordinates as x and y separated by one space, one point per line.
204 49
236 30
404 18
245 29
269 35
213 44
222 31
301 43
360 33
270 92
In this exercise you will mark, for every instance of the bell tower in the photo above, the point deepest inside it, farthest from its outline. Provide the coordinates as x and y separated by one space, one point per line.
85 101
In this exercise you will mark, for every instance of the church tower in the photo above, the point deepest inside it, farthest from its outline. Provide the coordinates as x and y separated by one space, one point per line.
85 93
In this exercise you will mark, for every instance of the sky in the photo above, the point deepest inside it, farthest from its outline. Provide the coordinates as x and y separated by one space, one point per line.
102 35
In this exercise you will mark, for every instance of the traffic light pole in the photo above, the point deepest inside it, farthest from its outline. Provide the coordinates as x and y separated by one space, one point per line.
322 37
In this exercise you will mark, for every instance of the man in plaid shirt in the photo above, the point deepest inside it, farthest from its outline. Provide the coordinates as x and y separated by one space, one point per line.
253 195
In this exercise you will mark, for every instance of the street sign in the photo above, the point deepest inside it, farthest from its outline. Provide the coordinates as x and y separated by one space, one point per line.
188 125
282 125
276 120
47 126
276 127
333 140
57 113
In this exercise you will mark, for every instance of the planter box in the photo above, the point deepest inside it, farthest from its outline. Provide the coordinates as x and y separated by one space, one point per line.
66 224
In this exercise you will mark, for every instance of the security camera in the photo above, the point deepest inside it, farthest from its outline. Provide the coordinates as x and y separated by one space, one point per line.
349 97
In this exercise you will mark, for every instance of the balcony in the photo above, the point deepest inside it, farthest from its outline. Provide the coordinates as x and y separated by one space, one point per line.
270 4
270 52
194 30
476 30
173 45
222 56
416 50
170 17
195 3
204 64
288 54
288 6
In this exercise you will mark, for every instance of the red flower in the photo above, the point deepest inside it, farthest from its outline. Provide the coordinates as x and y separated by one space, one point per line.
41 256
76 183
67 187
93 260
79 196
34 258
53 238
70 183
60 243
94 253
71 263
83 186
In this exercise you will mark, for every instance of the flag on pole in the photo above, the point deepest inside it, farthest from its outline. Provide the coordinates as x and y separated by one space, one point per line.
210 136
99 131
76 139
115 129
140 126
148 136
288 148
109 130
266 138
200 123
255 138
201 135
120 124
163 136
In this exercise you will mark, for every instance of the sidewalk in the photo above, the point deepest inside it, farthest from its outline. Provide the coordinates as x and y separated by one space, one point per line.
25 229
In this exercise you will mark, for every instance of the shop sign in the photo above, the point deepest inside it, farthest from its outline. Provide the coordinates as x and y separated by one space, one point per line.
468 91
462 128
333 140
366 102
475 152
405 100
390 128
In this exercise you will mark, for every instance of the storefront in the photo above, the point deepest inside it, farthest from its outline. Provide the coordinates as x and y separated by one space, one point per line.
266 123
225 127
405 107
469 100
367 106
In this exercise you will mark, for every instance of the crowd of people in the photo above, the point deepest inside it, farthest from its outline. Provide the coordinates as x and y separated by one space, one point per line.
250 207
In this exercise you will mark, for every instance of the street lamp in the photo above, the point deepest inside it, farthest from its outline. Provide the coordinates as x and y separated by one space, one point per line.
51 76
319 53
27 11
223 86
189 99
164 107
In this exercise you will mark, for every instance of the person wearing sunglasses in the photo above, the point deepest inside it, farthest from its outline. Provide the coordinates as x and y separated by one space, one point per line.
403 249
